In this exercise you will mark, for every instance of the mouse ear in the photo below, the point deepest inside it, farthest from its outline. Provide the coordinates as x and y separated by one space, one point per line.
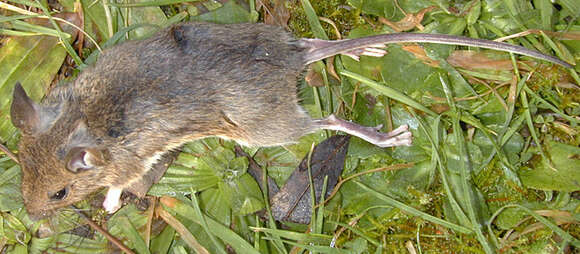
24 111
29 116
178 33
80 159
83 152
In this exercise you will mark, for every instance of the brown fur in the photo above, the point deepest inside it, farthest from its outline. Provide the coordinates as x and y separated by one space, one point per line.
144 97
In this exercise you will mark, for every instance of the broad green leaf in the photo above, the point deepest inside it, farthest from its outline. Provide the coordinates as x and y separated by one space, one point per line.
162 242
566 178
229 13
10 197
244 195
217 204
32 61
148 15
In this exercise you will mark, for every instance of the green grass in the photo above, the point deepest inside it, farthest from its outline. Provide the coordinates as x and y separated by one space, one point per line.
494 165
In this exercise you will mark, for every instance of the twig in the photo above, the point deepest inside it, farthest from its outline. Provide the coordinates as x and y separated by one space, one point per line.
9 153
104 232
389 168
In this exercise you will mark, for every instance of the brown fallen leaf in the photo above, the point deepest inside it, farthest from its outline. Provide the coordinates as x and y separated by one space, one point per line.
476 60
559 216
471 60
275 12
313 78
410 21
293 203
419 53
439 108
330 68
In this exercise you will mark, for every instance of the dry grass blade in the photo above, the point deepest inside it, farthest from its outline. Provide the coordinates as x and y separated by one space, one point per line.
182 230
9 153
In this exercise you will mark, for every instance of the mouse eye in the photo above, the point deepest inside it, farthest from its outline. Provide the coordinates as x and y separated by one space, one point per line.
59 195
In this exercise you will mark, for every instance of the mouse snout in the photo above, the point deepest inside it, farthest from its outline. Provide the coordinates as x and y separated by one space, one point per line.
36 210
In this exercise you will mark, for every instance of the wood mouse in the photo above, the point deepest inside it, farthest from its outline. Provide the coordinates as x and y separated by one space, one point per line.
113 125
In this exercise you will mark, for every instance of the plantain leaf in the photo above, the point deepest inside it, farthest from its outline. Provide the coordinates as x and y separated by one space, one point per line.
566 178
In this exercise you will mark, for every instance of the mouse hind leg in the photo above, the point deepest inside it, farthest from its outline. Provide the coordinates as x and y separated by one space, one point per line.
398 137
268 127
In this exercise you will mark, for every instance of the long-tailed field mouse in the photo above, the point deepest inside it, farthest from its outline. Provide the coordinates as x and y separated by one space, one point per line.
142 99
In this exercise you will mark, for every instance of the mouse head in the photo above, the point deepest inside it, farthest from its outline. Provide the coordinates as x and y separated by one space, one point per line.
61 162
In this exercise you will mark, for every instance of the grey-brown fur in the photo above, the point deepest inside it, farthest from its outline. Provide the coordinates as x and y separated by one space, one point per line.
141 97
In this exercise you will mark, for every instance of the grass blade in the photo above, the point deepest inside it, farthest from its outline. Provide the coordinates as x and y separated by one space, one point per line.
414 211
389 92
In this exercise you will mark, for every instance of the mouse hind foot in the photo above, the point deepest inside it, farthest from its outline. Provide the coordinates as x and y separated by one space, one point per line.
374 51
318 49
398 137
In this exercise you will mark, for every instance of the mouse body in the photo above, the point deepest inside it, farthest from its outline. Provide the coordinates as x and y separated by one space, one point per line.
114 125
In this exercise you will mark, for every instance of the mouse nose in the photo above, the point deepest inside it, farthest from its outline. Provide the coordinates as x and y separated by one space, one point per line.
37 215
35 212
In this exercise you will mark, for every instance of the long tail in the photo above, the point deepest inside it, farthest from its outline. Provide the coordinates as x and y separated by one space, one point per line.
320 49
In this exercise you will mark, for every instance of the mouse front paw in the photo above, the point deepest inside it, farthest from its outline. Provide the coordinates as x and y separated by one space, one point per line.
112 201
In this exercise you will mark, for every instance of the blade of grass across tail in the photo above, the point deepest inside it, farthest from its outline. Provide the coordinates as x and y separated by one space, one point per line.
560 51
318 32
